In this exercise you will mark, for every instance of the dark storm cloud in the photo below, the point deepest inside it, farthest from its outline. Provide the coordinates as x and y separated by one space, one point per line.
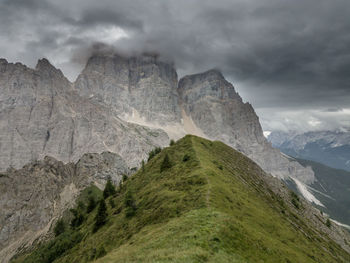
101 16
285 56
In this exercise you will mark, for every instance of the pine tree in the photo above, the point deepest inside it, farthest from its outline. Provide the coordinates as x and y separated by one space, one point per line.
109 189
60 227
154 152
78 218
91 205
101 216
186 157
125 177
143 165
165 164
129 203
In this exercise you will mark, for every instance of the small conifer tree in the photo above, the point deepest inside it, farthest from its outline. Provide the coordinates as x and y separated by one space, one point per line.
129 203
186 157
109 189
154 152
165 164
91 204
78 217
112 203
143 165
101 216
60 227
125 177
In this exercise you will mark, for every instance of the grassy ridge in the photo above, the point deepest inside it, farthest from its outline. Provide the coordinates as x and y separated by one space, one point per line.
212 206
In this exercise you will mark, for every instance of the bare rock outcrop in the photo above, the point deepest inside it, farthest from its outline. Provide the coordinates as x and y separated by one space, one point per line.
41 114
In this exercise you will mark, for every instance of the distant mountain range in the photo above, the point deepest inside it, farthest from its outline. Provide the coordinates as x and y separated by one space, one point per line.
331 148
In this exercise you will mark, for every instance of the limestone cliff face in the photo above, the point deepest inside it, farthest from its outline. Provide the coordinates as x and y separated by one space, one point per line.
146 91
135 87
41 114
219 112
34 197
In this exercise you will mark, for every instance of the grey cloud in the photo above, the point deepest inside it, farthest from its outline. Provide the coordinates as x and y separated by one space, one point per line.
333 110
285 56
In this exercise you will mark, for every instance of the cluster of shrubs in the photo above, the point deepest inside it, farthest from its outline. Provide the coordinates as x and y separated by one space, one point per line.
153 153
55 248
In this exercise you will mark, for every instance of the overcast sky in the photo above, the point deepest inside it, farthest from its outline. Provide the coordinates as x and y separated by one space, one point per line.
289 58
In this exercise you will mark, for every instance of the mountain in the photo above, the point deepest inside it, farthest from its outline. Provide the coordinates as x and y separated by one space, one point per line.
332 188
199 201
35 196
126 105
145 90
42 114
331 148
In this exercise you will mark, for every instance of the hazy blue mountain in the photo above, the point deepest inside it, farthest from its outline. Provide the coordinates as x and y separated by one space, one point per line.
331 148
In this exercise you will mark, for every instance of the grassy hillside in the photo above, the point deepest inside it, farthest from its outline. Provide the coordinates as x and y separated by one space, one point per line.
211 204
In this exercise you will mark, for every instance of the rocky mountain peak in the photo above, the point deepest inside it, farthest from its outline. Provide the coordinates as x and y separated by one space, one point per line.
209 83
139 88
143 65
101 62
45 67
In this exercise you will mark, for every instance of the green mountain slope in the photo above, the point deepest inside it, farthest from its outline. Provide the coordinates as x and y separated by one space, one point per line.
211 204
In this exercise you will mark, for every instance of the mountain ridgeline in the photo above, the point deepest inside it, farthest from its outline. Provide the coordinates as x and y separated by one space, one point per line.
198 201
